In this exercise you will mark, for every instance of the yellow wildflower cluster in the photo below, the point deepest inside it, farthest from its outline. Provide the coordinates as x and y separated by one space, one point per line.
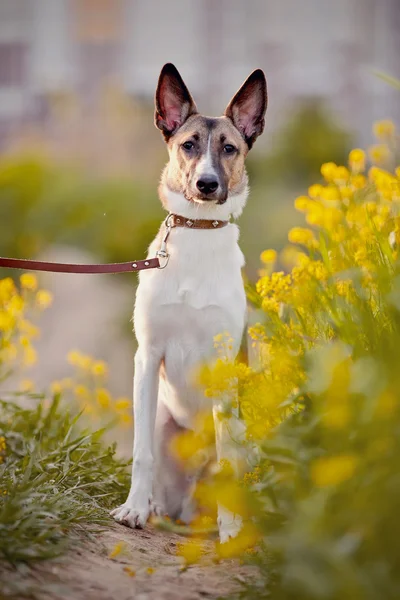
354 233
252 476
88 388
18 305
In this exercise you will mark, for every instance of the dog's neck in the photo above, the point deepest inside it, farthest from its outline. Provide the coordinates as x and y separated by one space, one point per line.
175 202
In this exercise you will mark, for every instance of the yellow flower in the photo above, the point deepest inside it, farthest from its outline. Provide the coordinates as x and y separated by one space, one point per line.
268 256
185 445
343 287
328 171
269 305
125 420
74 357
6 321
314 191
29 282
129 571
150 570
190 551
301 235
44 299
247 538
99 368
122 404
302 203
358 181
315 214
79 360
81 391
342 174
357 160
16 306
252 476
379 153
346 192
333 470
7 288
384 129
330 193
103 397
119 548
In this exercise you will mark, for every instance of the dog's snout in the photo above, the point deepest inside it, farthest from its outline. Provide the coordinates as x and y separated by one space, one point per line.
207 185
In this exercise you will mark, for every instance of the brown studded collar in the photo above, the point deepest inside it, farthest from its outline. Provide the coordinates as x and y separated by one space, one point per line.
179 221
139 265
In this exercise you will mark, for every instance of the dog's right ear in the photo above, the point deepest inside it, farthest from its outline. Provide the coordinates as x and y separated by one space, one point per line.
174 104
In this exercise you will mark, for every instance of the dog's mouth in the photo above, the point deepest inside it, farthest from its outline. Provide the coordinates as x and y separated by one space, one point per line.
206 199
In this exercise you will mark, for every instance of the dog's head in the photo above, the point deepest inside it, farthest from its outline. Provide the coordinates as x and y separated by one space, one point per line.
207 154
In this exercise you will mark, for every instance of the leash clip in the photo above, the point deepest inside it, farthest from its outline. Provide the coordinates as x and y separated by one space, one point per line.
162 252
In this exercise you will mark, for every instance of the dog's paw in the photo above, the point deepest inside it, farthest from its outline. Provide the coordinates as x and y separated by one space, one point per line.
134 515
131 516
229 526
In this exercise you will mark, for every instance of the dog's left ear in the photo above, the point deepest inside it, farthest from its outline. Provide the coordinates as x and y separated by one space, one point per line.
248 106
174 104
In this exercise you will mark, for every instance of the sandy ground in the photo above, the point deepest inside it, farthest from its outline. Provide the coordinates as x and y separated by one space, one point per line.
88 572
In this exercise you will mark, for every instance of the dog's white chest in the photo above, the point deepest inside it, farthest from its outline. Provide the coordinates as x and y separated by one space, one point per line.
204 270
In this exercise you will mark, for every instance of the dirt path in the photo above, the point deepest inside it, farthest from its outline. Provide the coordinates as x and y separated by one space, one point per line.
88 572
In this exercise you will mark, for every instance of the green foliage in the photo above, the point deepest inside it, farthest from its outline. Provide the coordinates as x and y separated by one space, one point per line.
54 478
309 138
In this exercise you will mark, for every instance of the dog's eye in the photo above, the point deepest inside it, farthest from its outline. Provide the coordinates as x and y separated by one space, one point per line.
229 149
188 145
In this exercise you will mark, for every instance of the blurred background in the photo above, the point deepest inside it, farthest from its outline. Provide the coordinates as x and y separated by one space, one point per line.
81 159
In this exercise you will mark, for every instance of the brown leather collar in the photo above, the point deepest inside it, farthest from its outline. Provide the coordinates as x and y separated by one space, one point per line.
179 221
138 265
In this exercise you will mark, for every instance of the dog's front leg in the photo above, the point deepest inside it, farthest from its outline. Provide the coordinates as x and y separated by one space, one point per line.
139 503
228 433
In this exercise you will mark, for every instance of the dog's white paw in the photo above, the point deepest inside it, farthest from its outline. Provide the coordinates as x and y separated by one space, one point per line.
229 525
134 514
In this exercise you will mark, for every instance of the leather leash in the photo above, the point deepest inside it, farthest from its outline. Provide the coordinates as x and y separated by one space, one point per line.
127 267
37 265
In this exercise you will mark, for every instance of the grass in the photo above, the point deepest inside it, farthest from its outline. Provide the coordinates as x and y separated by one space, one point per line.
55 478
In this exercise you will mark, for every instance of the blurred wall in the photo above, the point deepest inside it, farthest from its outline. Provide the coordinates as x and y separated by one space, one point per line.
320 48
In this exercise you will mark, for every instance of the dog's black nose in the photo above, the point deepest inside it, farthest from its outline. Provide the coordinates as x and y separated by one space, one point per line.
207 185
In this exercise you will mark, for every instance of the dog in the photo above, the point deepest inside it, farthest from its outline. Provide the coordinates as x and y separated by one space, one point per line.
181 308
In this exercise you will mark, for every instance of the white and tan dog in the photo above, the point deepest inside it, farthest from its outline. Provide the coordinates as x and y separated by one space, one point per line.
180 309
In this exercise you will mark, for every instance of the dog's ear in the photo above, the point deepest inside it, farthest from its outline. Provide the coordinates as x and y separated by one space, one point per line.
174 104
247 107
